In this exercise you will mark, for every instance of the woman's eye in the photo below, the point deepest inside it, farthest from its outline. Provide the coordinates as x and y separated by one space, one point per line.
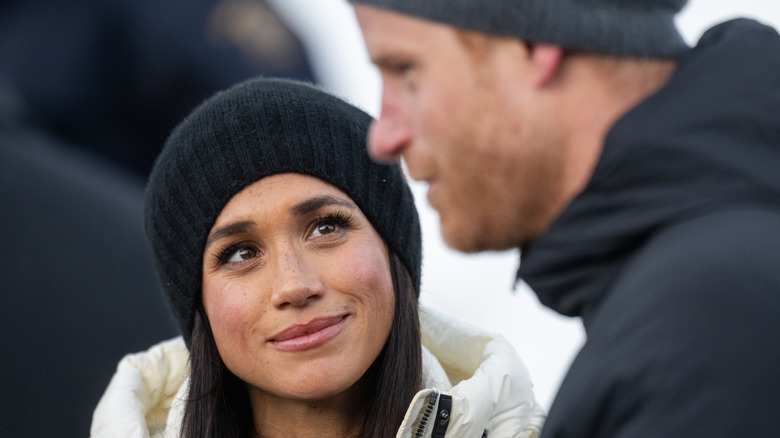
242 254
330 225
323 229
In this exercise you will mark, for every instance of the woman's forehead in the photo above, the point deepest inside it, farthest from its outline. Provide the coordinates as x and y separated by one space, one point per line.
286 195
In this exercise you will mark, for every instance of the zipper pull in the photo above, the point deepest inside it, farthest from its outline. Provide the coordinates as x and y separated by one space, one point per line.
442 418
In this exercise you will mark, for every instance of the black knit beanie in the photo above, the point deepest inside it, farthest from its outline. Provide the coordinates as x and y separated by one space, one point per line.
642 28
259 128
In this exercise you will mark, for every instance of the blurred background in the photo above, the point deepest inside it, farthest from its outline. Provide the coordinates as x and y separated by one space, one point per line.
88 92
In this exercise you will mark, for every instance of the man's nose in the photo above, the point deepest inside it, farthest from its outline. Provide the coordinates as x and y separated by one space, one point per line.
390 134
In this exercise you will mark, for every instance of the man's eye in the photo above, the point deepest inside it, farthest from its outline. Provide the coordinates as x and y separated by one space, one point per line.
242 254
402 69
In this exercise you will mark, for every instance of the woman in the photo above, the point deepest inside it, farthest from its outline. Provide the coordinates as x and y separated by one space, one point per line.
292 264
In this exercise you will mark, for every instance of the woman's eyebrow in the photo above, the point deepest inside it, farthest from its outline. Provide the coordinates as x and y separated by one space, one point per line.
229 230
299 209
318 202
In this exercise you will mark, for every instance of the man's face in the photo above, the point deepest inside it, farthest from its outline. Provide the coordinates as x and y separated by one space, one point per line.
462 111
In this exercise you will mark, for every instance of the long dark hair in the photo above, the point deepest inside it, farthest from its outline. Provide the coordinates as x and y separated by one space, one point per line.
218 402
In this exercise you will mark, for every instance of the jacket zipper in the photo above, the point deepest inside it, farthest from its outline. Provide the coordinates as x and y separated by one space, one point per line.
426 416
442 418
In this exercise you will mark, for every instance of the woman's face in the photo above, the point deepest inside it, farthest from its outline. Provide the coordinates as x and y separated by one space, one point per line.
297 288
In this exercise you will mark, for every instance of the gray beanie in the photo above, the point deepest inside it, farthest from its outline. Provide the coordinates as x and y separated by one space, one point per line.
643 28
259 128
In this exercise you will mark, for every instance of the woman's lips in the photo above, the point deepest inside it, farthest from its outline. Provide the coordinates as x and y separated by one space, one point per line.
314 333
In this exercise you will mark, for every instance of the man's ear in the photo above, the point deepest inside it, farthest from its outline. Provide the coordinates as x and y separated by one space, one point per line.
545 62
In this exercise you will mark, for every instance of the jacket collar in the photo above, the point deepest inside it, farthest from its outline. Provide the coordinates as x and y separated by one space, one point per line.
704 141
489 386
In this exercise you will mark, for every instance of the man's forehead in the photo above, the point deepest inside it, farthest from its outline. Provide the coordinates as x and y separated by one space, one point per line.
384 29
376 17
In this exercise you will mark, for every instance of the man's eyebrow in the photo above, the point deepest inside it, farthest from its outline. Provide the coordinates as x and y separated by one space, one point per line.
229 230
390 60
318 202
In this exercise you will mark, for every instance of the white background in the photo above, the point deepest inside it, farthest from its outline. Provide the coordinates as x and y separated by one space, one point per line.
478 288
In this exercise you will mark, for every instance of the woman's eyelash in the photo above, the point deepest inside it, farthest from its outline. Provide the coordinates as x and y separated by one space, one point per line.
339 218
226 251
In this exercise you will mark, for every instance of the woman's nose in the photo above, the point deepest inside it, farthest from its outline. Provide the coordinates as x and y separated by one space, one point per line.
299 284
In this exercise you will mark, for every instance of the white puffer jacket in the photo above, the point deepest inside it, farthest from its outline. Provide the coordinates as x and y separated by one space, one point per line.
474 380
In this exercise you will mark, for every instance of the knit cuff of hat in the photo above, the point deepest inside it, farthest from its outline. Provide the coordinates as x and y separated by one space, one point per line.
641 28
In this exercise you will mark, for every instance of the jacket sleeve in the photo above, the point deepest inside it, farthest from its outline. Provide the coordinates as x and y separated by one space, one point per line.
137 401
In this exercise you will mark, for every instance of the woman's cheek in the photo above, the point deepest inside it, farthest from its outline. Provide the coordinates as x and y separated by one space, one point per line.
227 309
370 273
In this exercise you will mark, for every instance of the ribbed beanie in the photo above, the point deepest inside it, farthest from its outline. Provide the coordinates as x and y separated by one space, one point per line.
259 128
642 28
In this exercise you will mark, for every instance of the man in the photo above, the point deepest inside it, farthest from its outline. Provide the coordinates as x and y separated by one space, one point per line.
640 179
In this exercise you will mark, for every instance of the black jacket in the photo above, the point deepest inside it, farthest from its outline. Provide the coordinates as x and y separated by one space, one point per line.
671 256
